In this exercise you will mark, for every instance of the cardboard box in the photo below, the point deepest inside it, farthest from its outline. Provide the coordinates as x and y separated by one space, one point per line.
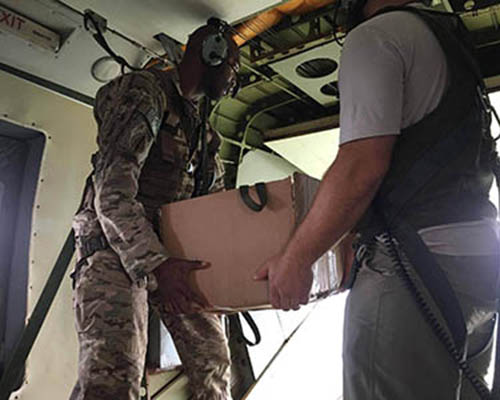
221 229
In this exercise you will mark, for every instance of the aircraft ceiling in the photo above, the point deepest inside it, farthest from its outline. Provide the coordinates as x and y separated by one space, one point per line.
288 71
144 19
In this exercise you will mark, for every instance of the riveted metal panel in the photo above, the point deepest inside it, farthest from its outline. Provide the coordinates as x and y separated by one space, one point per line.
311 86
70 139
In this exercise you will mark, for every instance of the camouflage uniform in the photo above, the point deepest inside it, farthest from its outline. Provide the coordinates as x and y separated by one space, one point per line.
143 161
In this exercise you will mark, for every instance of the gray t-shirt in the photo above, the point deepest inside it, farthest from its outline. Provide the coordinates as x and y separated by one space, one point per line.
393 72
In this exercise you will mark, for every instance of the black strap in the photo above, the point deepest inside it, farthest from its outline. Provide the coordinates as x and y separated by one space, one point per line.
261 192
99 38
497 118
242 373
433 278
89 245
201 175
255 329
17 360
421 172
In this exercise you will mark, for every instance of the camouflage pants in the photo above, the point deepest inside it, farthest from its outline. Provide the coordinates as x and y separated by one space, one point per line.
111 321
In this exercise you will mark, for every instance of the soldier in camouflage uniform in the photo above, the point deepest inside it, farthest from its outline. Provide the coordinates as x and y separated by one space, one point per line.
148 154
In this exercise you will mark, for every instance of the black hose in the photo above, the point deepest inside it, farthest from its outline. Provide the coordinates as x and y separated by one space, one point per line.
477 382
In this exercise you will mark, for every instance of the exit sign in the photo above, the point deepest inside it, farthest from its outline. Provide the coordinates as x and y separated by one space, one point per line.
28 30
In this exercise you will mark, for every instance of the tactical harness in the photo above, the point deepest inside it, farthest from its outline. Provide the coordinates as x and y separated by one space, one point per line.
430 188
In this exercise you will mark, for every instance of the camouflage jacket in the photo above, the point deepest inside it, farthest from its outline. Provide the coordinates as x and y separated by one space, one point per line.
147 153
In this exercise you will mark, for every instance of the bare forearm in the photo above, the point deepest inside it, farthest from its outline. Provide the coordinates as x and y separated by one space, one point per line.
344 195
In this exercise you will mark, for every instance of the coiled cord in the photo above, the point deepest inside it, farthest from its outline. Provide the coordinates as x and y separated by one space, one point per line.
439 330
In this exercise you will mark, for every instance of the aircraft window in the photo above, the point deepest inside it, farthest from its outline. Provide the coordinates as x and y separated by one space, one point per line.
21 152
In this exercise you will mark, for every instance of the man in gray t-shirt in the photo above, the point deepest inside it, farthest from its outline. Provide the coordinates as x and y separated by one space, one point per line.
393 74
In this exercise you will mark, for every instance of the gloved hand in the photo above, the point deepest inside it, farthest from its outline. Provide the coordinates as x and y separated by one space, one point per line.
175 292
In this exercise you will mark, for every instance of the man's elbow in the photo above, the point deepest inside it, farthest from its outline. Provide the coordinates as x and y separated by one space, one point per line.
366 176
376 171
370 180
368 161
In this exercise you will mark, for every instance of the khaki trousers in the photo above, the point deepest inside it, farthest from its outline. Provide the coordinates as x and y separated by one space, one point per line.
390 352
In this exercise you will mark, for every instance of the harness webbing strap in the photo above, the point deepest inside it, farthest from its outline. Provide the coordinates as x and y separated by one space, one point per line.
419 255
420 173
253 326
433 278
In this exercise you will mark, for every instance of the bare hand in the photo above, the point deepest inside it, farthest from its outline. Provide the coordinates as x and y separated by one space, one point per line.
175 291
289 282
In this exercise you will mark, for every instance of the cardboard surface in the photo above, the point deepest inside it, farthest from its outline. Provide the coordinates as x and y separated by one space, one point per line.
222 230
